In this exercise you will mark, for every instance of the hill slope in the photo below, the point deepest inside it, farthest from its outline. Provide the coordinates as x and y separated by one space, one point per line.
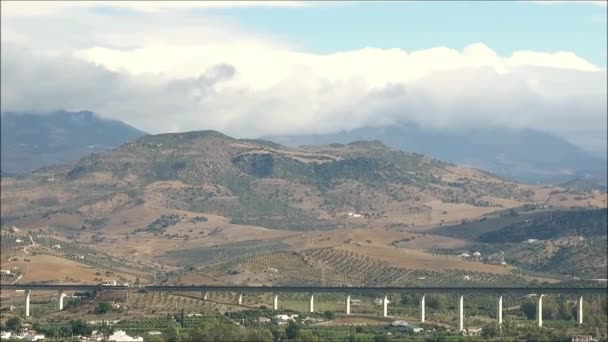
567 241
31 141
526 156
204 206
264 184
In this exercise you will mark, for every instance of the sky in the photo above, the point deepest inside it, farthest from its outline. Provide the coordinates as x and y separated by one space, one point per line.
263 68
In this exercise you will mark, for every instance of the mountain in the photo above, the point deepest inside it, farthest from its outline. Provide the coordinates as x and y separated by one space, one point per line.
260 183
34 140
203 207
558 242
523 155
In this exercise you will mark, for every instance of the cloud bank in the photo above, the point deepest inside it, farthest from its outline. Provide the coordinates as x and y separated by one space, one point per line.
179 72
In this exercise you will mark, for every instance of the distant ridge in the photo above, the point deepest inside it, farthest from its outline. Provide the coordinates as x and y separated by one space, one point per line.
528 156
34 140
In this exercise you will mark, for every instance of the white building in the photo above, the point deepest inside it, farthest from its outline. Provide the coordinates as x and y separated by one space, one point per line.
477 254
474 331
121 336
33 336
5 335
465 255
399 323
263 320
378 301
414 328
285 318
5 271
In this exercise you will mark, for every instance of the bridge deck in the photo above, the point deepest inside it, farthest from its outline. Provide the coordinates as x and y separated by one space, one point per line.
270 289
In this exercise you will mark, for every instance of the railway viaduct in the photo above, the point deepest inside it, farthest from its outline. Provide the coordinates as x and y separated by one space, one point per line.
540 292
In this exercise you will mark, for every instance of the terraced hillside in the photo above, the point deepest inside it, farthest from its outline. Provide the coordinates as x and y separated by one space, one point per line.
259 183
205 207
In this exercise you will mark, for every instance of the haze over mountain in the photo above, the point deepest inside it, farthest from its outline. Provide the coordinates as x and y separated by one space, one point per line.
525 155
34 140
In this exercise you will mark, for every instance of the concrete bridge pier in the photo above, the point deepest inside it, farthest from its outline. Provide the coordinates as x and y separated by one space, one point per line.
499 311
422 308
348 305
61 296
385 306
461 313
27 302
311 304
205 295
579 310
241 298
539 310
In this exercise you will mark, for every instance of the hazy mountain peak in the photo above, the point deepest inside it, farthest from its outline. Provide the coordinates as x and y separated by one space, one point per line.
34 140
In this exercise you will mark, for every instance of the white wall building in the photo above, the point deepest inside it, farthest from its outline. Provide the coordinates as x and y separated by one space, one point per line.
121 336
32 336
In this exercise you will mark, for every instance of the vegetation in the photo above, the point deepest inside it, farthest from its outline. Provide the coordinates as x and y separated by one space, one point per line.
225 253
103 308
585 223
13 324
161 224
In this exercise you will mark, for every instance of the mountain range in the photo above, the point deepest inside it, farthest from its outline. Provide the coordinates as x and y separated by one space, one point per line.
33 140
205 206
261 183
529 156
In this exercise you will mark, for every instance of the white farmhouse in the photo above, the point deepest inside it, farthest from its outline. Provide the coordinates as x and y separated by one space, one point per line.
32 336
121 336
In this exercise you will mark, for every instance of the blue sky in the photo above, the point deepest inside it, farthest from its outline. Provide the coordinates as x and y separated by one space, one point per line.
254 69
506 26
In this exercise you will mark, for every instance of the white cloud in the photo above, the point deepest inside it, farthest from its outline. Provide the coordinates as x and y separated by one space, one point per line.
601 3
44 8
178 72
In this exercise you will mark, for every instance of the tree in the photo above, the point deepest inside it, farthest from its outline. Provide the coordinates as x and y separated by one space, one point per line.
103 308
307 336
529 309
65 331
214 329
173 333
292 330
329 315
435 302
259 335
155 338
80 327
13 324
382 338
490 330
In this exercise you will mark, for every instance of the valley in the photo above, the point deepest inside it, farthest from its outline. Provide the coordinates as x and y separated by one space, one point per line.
205 208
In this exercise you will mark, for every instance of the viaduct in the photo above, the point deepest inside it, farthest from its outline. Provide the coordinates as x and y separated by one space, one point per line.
462 291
